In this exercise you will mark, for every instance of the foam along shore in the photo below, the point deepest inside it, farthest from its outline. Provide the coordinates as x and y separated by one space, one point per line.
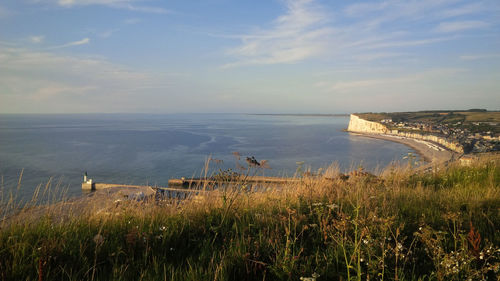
430 152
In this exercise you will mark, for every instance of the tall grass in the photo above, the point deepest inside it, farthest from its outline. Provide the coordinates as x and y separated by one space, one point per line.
440 225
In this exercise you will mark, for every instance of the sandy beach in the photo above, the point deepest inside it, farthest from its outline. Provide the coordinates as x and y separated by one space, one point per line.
432 153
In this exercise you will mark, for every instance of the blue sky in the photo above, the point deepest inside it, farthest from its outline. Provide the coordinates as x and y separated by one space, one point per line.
273 56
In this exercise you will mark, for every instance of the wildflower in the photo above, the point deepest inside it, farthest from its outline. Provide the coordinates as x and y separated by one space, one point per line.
313 277
332 206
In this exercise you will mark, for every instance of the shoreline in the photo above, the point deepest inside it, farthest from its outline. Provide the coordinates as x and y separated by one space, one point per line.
430 152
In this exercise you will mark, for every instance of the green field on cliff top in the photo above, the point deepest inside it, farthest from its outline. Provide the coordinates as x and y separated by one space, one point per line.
474 120
462 116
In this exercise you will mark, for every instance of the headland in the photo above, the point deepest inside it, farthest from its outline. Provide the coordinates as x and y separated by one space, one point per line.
437 136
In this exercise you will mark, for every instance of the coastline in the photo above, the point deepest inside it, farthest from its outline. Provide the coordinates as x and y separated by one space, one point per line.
430 152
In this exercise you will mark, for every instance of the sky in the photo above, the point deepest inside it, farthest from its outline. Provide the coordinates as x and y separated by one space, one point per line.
248 56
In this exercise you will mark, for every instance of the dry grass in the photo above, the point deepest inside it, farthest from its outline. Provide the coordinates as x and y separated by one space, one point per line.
440 225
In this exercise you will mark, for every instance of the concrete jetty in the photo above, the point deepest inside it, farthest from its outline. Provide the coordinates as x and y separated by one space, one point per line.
190 185
194 182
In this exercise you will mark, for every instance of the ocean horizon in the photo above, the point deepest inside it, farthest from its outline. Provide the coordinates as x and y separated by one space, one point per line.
153 148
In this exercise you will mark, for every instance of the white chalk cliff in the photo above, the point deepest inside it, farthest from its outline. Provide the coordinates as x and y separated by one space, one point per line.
359 125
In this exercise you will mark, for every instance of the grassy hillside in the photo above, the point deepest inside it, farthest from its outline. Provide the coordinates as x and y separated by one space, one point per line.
441 225
490 120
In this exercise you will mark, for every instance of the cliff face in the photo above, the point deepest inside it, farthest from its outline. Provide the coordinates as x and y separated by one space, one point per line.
436 139
357 124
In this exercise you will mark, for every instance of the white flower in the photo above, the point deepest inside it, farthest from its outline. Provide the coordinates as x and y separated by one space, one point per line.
332 206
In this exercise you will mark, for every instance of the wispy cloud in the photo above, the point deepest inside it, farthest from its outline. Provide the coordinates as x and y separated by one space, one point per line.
307 30
144 9
466 9
132 21
381 12
33 80
119 4
36 39
294 36
376 56
107 33
380 83
460 26
407 43
480 57
84 41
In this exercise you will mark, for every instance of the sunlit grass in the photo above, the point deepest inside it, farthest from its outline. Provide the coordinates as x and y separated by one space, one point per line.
440 225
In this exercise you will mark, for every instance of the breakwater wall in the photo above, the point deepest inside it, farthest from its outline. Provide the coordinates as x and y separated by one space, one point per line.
359 125
98 185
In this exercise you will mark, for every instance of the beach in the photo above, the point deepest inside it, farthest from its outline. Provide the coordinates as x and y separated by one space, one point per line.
432 153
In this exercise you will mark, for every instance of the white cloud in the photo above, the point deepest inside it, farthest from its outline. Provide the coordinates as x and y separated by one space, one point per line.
32 81
119 4
378 84
90 2
298 34
466 9
36 39
460 26
84 41
390 10
307 30
479 57
407 43
132 21
144 9
107 33
377 56
361 9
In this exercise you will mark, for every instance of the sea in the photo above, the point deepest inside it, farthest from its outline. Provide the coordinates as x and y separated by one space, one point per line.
150 149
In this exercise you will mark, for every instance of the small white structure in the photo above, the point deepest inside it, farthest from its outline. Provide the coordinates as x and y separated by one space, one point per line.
87 182
86 179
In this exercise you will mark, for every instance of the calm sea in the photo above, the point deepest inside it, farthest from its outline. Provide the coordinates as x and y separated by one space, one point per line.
151 149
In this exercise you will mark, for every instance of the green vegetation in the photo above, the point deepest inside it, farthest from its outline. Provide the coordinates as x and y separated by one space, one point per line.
440 225
475 120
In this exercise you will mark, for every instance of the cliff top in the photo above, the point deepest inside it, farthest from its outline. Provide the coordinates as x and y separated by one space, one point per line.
475 120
